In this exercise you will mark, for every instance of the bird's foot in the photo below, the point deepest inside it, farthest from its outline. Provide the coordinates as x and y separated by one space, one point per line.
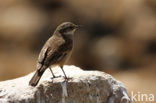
67 78
55 77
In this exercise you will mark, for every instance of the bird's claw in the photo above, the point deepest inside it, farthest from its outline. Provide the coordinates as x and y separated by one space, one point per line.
67 78
55 77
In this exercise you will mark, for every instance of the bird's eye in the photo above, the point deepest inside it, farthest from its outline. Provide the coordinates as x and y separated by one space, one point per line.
66 29
69 29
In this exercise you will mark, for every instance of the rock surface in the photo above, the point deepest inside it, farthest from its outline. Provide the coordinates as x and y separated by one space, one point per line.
83 87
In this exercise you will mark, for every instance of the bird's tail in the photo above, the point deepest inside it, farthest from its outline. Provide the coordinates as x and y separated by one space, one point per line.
37 76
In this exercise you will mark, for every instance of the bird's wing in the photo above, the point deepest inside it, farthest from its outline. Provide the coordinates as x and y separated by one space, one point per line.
58 50
51 52
41 58
54 50
43 55
55 55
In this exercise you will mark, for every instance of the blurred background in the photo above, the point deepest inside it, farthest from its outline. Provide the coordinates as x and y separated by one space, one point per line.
118 37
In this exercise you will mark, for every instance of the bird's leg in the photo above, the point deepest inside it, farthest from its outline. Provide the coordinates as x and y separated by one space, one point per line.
64 73
52 73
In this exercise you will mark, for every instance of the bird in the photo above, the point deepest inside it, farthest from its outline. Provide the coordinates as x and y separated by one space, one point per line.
56 51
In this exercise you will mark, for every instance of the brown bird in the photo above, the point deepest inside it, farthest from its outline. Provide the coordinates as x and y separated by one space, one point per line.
55 51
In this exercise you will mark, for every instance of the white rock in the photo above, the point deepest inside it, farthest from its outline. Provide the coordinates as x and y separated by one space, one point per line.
83 87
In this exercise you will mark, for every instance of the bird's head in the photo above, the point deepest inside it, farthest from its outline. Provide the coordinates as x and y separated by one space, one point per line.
67 28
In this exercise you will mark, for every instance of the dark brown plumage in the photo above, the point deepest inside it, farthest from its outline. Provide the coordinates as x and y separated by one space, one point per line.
56 50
